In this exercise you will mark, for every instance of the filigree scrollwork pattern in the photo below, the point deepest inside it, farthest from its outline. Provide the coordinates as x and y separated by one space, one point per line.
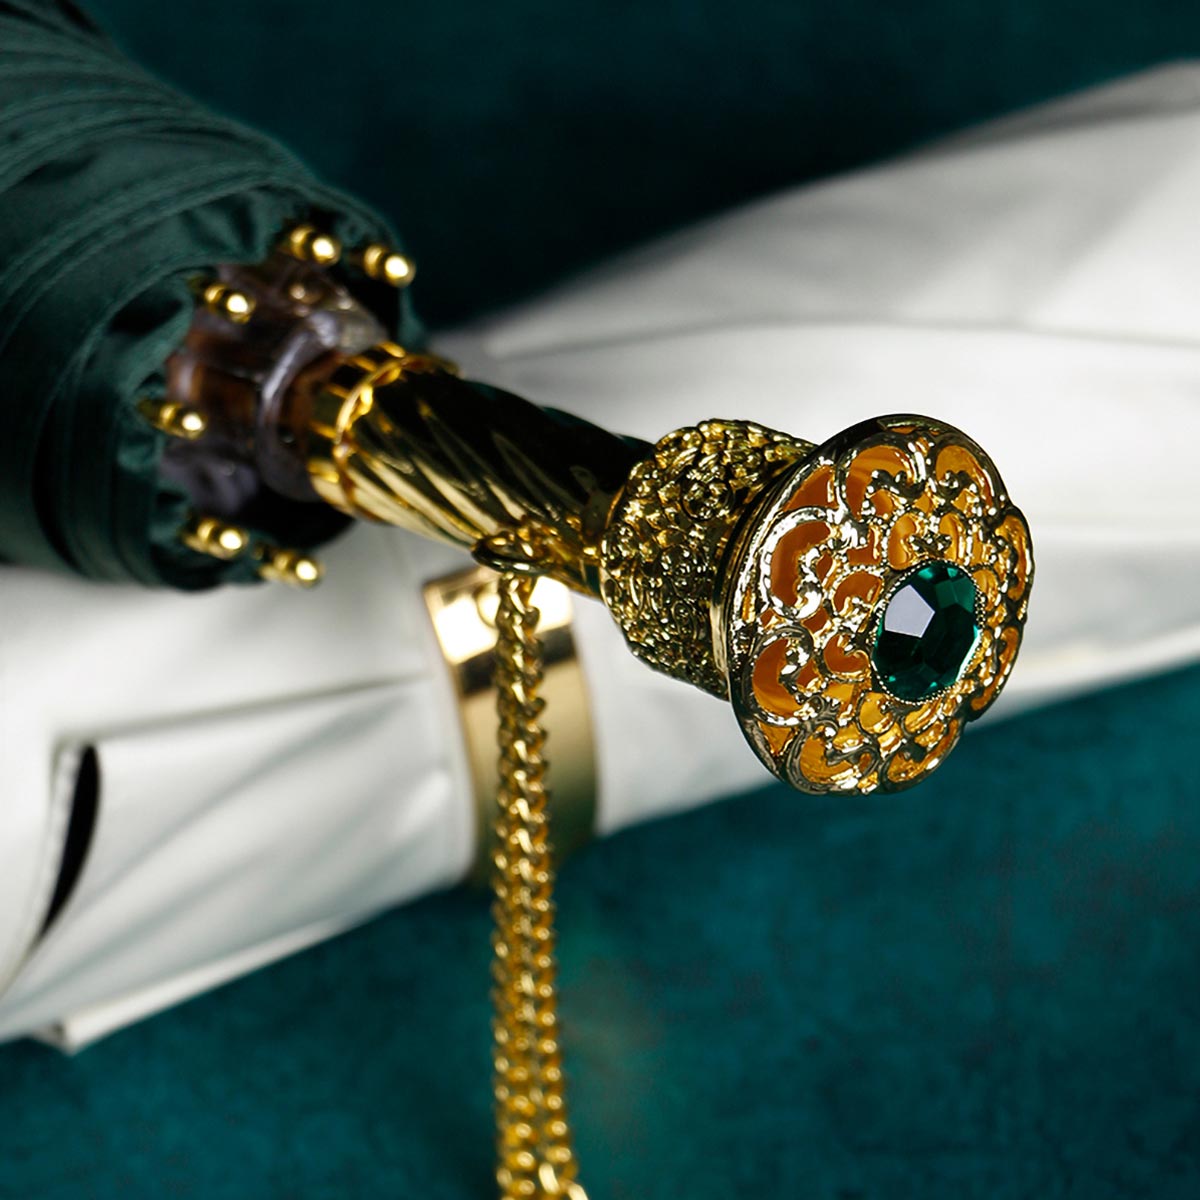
811 583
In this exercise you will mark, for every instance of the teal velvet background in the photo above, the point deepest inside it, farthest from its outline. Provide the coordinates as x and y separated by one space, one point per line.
511 142
987 988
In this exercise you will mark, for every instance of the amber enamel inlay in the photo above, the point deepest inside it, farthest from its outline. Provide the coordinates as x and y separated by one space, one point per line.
859 516
842 659
861 587
791 548
815 492
769 689
902 553
776 736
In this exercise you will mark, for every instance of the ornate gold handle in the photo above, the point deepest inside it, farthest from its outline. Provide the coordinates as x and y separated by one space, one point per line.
857 601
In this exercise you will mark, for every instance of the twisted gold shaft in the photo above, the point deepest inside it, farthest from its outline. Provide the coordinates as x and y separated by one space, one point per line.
535 1154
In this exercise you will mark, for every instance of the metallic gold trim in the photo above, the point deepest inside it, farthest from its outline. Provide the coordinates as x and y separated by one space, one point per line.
395 436
228 302
281 564
174 419
808 584
310 244
664 548
386 265
217 539
463 608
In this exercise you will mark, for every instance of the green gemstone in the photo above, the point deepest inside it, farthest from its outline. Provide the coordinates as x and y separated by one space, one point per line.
927 632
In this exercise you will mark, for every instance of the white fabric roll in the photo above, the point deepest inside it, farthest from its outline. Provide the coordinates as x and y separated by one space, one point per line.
1033 283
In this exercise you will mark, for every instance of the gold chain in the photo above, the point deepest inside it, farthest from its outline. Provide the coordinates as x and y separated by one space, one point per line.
535 1154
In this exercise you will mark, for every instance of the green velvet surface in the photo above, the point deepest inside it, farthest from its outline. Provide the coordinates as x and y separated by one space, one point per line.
987 987
512 142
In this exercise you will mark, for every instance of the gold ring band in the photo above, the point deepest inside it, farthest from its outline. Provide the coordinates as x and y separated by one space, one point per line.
462 608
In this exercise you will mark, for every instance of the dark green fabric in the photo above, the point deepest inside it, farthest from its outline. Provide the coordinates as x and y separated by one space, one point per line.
985 989
113 191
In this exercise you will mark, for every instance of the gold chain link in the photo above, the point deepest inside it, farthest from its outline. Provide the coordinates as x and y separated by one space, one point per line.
534 1144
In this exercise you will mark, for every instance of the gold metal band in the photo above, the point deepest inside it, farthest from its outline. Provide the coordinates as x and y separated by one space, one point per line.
463 610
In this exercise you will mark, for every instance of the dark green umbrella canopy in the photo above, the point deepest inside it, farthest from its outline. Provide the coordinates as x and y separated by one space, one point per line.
115 190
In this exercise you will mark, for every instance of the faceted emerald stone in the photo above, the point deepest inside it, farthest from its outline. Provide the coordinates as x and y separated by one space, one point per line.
927 632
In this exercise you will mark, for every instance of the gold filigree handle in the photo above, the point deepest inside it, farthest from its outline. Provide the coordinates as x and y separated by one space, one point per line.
757 566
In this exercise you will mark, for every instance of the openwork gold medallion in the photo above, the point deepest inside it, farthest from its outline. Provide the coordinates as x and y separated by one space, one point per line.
877 604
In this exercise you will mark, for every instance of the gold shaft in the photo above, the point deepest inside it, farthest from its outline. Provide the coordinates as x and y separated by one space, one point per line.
534 1145
396 437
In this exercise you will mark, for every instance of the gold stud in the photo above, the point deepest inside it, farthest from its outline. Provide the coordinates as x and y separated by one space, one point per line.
216 538
309 244
280 564
174 419
228 302
387 265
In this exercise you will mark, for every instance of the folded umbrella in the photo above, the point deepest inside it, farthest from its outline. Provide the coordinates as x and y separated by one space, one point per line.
251 802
